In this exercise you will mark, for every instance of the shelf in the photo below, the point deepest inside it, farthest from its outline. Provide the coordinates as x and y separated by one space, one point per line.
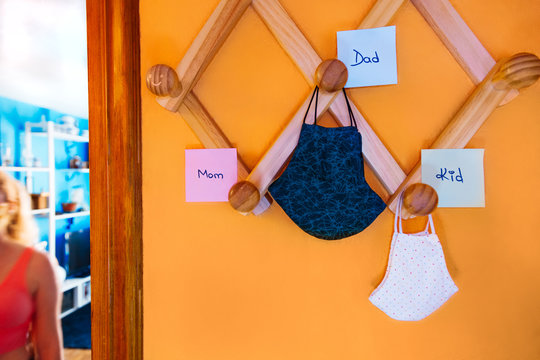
67 312
76 294
75 170
63 136
72 215
69 137
40 211
23 168
76 291
74 282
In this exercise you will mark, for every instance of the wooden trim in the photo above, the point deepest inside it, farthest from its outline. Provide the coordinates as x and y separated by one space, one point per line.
115 179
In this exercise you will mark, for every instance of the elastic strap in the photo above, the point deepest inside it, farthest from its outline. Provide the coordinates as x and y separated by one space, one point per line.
351 114
430 227
316 103
315 92
397 216
352 120
430 224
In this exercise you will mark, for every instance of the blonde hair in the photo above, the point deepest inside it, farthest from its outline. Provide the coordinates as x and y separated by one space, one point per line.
21 227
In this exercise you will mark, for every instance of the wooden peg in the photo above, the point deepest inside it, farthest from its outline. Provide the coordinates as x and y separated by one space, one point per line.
244 196
420 199
331 75
520 71
162 80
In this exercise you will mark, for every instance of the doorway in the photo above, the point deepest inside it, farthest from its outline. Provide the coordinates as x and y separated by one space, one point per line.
44 141
115 179
114 156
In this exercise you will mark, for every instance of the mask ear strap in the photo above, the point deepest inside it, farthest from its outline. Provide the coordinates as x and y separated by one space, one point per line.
351 114
430 224
316 103
316 91
397 216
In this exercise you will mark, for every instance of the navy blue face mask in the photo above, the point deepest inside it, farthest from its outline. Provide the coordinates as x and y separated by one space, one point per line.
323 189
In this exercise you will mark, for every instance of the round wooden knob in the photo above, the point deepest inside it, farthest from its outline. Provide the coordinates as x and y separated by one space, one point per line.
517 72
244 196
331 75
162 80
420 199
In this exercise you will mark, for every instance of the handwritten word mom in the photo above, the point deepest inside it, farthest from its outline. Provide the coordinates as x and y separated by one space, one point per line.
209 175
361 59
446 174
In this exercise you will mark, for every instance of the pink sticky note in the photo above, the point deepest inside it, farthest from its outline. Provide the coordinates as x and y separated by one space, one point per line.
210 173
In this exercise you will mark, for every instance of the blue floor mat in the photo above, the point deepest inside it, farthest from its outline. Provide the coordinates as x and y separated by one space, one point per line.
76 328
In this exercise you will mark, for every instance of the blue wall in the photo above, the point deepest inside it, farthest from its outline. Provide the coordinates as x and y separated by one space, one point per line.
13 116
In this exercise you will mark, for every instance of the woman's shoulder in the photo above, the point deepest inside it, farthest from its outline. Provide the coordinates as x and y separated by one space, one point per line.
35 257
42 262
40 258
11 253
14 247
41 270
18 248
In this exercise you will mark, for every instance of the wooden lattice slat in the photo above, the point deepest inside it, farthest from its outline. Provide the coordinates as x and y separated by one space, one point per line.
206 45
459 40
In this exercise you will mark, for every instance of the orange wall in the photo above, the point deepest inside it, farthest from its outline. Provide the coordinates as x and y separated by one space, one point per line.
218 285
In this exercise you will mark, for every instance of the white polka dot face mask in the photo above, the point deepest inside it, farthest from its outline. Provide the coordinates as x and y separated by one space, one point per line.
417 281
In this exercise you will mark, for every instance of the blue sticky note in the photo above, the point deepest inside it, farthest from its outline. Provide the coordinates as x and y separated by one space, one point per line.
456 174
370 56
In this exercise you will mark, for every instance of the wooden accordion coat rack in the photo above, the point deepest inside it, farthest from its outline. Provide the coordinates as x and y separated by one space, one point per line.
497 84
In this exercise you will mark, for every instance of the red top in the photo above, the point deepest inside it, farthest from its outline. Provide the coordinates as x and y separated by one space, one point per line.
16 306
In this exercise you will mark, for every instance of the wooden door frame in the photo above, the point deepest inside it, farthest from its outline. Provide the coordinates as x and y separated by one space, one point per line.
115 178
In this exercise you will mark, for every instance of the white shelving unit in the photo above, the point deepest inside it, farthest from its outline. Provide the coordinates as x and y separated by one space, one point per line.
77 293
23 169
47 129
72 215
41 212
75 170
76 290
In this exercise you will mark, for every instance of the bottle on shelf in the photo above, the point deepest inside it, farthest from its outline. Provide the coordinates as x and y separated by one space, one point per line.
7 157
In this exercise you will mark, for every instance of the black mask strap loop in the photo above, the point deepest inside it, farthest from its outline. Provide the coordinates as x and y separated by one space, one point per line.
351 115
316 96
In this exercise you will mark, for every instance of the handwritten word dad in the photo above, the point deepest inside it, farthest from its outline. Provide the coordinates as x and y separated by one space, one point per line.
361 59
